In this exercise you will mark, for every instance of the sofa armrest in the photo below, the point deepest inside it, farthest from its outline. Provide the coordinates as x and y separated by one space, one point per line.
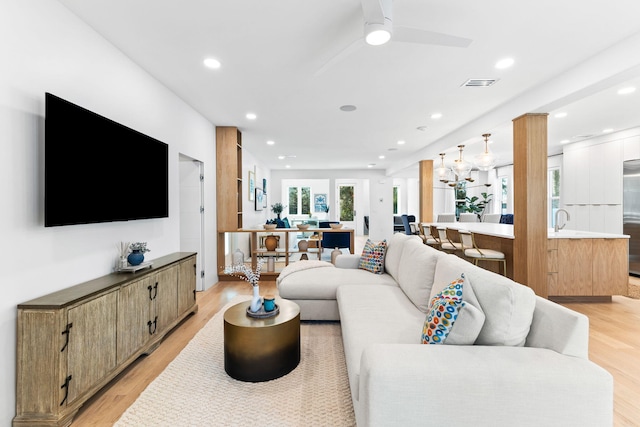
347 261
405 384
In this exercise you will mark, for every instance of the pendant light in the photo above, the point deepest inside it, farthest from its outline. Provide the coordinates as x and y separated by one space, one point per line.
461 168
442 171
485 161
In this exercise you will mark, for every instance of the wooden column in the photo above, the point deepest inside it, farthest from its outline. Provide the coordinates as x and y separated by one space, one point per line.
530 201
426 191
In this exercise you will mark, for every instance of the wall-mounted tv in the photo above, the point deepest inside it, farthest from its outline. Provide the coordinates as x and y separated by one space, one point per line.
97 170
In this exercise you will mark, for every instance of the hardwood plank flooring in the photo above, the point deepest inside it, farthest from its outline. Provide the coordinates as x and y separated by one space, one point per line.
614 345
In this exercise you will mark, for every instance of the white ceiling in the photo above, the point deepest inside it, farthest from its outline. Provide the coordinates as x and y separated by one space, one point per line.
569 56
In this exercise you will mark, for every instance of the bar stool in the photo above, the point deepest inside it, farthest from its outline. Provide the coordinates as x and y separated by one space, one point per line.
431 237
446 242
471 250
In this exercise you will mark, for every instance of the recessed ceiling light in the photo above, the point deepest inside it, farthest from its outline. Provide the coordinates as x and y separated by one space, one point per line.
565 141
251 116
348 108
381 157
436 116
401 142
287 166
370 165
212 63
280 157
626 90
270 142
504 63
560 115
607 130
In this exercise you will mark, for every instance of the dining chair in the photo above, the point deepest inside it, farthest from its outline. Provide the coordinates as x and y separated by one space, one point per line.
492 218
431 237
471 250
468 217
447 217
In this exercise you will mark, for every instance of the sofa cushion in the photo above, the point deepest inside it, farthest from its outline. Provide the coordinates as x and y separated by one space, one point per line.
508 306
443 313
416 272
372 258
470 319
395 245
322 284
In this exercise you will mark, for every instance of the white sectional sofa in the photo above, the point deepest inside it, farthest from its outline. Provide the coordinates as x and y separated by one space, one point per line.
525 360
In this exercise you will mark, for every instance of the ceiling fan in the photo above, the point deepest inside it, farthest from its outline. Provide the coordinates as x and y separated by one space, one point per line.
379 29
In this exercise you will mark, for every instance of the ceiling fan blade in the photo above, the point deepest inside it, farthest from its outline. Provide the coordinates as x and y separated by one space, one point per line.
414 35
374 10
340 56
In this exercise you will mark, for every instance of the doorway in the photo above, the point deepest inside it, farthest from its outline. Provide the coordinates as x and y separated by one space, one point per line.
346 205
192 212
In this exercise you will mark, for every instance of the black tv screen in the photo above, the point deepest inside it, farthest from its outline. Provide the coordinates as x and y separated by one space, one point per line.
97 170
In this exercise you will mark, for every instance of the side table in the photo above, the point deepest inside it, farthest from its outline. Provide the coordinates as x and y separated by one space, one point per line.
261 349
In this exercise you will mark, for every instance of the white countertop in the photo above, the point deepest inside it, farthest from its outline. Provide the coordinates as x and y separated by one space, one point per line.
506 231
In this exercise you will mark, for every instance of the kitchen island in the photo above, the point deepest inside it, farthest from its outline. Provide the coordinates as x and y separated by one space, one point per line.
582 265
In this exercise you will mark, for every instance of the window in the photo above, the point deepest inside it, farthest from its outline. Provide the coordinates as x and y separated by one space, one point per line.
504 194
299 200
553 184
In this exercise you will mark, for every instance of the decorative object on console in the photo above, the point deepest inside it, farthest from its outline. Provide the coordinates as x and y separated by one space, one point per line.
271 242
302 226
303 245
336 226
253 277
123 249
238 257
277 209
372 258
138 249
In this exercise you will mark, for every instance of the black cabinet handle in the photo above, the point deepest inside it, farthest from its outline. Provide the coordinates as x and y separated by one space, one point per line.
65 386
150 288
155 293
66 332
154 324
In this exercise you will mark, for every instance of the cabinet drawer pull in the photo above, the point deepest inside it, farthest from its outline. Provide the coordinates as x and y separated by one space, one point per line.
155 293
65 386
66 332
155 325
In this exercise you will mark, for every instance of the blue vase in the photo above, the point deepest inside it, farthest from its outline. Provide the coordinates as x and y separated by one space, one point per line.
135 258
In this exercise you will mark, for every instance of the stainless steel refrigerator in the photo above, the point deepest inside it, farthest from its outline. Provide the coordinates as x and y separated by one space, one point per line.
631 216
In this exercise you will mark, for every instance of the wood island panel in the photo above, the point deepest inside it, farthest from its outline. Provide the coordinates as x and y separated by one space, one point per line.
574 267
610 266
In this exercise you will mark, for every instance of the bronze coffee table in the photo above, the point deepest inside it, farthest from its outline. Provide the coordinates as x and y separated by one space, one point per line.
261 349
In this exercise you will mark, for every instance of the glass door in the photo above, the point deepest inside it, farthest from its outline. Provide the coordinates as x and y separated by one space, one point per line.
346 205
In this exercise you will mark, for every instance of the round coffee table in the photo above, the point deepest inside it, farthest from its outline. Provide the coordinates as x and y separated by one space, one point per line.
261 349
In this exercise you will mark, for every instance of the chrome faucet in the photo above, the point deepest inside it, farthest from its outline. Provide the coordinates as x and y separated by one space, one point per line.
557 227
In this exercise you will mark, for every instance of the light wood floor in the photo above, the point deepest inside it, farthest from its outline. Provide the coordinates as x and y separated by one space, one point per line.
614 345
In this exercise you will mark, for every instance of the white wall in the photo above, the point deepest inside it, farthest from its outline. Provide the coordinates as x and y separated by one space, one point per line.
45 48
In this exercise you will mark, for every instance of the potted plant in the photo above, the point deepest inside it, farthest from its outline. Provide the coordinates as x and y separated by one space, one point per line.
277 209
138 249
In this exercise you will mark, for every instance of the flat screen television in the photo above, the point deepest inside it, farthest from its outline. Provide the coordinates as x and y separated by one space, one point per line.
97 170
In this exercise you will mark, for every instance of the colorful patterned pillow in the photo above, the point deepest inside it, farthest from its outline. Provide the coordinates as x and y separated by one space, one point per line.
443 313
372 258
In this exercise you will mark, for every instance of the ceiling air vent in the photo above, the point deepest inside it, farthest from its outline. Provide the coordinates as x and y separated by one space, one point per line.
479 82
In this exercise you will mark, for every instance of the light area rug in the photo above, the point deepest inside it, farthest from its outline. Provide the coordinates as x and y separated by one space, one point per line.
195 390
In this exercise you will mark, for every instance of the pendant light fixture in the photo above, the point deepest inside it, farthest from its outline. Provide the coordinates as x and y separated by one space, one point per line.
485 161
461 168
442 171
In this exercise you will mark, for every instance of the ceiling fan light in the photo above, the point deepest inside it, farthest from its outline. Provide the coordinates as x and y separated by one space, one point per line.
377 34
